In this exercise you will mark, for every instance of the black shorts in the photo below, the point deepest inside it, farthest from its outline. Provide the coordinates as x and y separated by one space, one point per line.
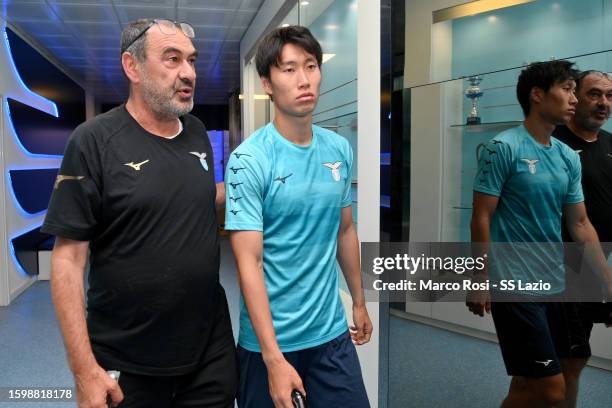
533 337
214 384
580 318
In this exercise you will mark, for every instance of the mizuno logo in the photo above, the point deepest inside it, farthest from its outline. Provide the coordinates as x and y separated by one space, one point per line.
487 162
334 169
234 185
136 166
202 157
578 151
235 199
497 142
546 363
235 211
491 151
532 165
241 154
61 177
283 179
237 169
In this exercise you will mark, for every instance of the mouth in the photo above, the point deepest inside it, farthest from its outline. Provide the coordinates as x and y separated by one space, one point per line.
185 92
305 97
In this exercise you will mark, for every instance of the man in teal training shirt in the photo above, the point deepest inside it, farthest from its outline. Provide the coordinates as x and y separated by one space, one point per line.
526 181
289 207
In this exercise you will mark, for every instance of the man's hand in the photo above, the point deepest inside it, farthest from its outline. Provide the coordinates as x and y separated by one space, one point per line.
283 379
478 302
93 387
361 330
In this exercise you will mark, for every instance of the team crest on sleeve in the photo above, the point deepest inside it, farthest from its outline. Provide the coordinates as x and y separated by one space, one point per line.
334 169
531 164
202 157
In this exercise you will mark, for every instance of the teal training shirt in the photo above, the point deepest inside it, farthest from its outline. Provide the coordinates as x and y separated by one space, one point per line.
533 183
294 195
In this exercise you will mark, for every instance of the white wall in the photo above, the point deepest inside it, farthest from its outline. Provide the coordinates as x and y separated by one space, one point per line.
12 280
368 157
425 64
418 35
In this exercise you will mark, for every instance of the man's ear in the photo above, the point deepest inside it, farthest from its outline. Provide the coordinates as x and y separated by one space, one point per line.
267 86
537 94
130 67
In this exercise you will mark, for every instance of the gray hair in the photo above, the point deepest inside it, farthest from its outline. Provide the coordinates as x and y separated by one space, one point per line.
133 29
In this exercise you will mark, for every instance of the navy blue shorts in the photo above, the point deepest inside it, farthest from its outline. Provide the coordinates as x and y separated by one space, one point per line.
330 372
533 337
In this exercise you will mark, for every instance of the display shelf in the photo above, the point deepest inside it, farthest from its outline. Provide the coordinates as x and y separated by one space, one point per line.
487 127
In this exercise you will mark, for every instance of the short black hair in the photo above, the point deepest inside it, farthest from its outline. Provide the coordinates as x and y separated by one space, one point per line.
542 75
271 46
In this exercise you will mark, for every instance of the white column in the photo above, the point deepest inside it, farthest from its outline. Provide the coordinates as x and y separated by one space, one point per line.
368 196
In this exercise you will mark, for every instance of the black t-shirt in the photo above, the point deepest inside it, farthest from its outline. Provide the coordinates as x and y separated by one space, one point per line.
596 160
147 206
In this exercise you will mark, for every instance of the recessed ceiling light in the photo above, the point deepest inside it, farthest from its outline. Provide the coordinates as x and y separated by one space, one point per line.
492 19
331 27
304 3
285 25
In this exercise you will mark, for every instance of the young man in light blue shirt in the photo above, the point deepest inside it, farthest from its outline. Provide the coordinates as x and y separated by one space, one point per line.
526 181
289 207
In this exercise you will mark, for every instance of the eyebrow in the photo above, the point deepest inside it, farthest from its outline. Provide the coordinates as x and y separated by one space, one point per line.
174 49
598 89
292 62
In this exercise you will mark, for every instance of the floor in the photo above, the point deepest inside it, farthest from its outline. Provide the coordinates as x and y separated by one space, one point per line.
428 367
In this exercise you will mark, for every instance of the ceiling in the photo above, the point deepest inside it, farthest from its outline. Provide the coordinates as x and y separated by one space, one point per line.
83 36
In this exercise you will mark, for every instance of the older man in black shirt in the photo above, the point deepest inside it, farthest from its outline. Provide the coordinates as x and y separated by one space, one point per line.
594 146
136 188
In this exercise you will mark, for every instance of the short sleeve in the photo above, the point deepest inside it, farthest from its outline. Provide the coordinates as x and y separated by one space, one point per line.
347 198
494 167
574 190
244 190
75 205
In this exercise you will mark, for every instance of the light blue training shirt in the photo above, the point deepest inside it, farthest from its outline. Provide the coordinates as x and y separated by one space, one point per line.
533 183
293 194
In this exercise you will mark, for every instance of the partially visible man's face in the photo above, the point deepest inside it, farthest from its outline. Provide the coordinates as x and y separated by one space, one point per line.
168 73
295 83
594 101
558 105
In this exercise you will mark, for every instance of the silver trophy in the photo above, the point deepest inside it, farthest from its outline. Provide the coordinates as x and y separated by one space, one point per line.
473 93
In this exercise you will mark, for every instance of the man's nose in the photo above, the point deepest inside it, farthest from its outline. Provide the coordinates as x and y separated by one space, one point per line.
573 99
303 80
187 71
